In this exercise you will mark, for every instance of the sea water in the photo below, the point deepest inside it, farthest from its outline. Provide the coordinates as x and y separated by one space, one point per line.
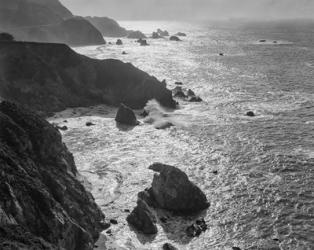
263 194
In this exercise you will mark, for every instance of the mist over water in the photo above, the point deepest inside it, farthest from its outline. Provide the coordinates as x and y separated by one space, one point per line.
193 9
262 196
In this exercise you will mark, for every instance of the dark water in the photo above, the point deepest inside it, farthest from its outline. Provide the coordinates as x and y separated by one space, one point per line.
263 195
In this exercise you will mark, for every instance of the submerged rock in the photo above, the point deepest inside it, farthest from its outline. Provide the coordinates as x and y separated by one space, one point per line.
126 116
172 190
88 124
250 114
175 38
42 203
142 218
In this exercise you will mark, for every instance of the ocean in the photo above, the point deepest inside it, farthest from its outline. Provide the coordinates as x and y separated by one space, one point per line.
262 196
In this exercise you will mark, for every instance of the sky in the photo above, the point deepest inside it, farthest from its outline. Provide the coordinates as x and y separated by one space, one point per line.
192 9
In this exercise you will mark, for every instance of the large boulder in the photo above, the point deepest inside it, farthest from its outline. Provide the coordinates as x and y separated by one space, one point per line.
142 218
172 190
162 32
175 38
43 205
126 116
52 77
155 35
107 26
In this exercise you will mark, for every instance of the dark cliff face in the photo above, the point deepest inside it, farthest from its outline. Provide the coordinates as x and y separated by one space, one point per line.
42 204
46 21
52 77
21 13
108 26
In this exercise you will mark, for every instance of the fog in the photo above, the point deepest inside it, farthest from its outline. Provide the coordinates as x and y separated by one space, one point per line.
193 9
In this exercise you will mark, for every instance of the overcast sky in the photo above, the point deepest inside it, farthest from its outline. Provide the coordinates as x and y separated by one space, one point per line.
192 9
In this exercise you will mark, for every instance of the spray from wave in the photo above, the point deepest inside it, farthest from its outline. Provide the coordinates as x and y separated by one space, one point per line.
161 119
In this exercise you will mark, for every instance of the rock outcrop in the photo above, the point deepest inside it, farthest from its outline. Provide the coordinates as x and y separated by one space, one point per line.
126 116
42 203
52 77
142 218
175 38
107 26
136 35
186 94
162 32
172 190
46 21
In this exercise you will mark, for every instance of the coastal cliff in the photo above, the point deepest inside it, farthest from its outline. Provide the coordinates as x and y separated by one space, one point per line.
107 26
46 21
52 77
42 204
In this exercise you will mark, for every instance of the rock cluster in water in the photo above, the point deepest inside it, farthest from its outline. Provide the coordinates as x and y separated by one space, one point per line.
186 94
171 190
42 203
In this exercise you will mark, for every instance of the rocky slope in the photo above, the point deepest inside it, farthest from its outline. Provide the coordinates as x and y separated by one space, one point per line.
46 21
52 77
42 204
108 26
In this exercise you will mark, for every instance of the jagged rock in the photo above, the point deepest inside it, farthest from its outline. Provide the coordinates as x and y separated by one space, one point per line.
194 99
180 34
178 92
136 35
250 114
196 228
42 203
172 190
119 42
142 218
126 116
162 33
175 38
142 42
107 26
168 246
52 77
156 35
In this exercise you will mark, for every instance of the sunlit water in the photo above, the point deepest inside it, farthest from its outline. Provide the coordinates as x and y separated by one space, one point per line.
263 194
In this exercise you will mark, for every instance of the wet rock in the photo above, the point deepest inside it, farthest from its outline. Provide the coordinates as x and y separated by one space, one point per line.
126 116
107 26
215 172
180 34
119 42
178 92
163 219
164 125
65 121
105 226
124 53
178 83
190 93
88 124
43 205
172 190
250 113
168 246
221 54
63 128
144 113
113 221
175 38
155 35
195 99
162 32
236 248
275 42
196 228
109 232
143 42
136 35
262 41
142 218
127 210
164 83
